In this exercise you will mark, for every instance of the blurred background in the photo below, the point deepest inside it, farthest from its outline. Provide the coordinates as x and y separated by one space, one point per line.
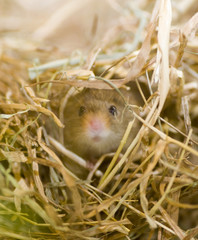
75 24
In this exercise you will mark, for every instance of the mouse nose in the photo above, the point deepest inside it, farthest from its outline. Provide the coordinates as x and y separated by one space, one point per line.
96 125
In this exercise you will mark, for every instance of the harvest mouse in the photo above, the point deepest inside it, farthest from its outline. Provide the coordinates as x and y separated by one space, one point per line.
95 121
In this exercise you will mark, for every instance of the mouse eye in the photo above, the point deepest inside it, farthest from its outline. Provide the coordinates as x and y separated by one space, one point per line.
113 110
81 111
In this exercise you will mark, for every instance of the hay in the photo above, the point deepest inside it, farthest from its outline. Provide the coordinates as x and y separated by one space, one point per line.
152 191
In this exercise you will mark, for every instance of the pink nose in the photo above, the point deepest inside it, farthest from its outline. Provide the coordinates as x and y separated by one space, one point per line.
96 125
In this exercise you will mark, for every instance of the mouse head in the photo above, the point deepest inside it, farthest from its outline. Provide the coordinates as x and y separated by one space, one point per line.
95 120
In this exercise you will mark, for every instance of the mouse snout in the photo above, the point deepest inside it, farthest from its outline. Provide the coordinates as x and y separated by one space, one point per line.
96 124
96 128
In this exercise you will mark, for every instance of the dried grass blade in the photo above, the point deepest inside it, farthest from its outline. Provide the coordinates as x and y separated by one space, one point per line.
158 204
143 55
26 107
178 231
165 17
143 185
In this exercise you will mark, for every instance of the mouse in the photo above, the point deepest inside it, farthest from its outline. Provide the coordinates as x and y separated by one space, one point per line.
96 119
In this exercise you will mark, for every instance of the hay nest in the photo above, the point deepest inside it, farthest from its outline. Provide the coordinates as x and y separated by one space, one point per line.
152 191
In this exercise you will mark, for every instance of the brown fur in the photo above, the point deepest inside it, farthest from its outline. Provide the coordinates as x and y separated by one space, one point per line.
97 102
